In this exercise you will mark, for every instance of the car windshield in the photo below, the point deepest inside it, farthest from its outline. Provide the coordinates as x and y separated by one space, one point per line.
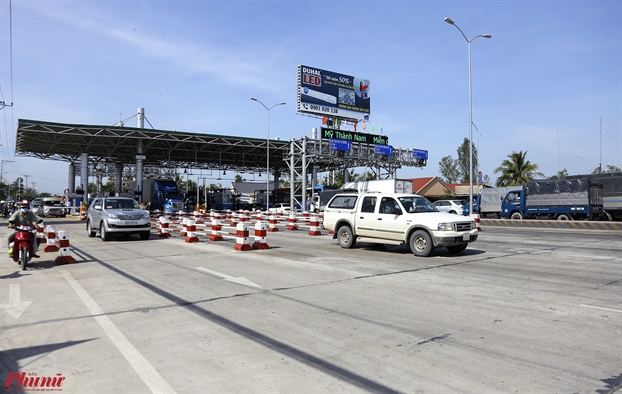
414 204
112 203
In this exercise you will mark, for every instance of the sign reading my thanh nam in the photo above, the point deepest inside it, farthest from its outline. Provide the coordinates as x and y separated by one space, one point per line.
355 137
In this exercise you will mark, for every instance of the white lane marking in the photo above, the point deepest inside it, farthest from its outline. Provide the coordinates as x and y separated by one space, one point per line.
240 280
604 309
15 307
147 373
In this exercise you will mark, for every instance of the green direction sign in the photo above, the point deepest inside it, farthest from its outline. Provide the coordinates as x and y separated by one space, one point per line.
361 138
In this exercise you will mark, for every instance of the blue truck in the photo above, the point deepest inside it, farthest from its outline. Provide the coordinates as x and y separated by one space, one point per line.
162 194
559 199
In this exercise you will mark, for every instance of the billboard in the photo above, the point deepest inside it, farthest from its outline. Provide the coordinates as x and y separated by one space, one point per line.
330 94
361 138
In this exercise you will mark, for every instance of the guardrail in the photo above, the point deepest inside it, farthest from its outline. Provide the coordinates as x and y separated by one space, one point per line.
558 224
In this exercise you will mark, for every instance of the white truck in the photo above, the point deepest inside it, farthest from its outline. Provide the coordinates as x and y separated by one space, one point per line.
382 186
397 218
488 201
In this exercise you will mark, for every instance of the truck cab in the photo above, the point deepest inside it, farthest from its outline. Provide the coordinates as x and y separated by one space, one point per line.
512 205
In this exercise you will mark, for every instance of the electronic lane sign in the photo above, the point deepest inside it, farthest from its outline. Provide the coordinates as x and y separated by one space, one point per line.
330 94
420 154
381 149
337 144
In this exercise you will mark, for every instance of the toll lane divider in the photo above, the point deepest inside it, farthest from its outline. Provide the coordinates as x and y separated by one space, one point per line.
554 224
57 241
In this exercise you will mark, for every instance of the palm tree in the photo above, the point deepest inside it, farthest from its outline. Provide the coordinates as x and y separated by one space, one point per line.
517 170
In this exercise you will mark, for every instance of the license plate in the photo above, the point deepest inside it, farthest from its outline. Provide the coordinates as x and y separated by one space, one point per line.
466 237
131 222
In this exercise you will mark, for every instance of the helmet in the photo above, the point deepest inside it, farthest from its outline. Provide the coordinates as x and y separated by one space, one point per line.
24 204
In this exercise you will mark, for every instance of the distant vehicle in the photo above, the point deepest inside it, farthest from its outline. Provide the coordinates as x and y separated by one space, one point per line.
487 203
51 206
161 194
117 216
397 218
280 208
382 186
450 206
565 199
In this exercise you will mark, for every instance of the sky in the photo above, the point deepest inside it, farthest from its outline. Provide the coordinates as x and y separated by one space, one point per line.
548 82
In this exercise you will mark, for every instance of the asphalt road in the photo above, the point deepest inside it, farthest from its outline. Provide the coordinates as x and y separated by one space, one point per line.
521 310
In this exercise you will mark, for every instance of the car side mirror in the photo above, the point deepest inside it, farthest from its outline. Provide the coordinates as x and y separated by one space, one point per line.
97 207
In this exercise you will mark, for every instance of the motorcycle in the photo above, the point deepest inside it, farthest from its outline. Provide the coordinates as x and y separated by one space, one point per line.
23 244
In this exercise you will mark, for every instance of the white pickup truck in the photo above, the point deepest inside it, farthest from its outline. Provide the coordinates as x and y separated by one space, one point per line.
397 219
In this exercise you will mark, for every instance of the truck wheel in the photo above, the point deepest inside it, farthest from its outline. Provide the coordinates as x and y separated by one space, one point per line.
421 244
457 248
563 216
345 237
517 216
102 233
89 229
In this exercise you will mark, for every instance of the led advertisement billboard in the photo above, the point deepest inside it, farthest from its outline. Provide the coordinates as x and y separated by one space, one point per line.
330 94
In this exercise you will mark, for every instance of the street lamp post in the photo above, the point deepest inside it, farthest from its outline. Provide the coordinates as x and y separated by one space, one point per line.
267 152
470 112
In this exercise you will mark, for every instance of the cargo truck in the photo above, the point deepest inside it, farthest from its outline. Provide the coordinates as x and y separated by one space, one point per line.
566 199
382 186
488 203
612 192
161 194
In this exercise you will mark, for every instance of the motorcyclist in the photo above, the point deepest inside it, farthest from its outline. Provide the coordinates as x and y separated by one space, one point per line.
23 216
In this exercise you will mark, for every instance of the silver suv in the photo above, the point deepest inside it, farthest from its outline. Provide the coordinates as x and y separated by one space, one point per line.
117 215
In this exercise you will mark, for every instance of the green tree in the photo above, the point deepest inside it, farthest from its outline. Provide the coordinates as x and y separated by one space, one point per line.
368 176
448 167
517 170
238 178
463 161
560 174
608 168
352 177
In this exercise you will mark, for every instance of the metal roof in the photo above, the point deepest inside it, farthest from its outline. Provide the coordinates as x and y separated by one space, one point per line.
162 148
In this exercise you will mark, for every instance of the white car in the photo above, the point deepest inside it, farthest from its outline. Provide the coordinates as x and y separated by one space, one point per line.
401 219
280 208
451 206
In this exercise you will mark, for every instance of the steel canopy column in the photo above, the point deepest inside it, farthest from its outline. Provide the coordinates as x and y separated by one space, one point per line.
139 155
292 175
71 178
304 175
118 178
84 174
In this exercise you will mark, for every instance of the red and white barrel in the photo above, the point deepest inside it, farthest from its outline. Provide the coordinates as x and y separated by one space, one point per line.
261 231
273 222
314 226
184 230
191 226
164 230
216 228
234 219
291 222
41 232
51 239
64 252
241 237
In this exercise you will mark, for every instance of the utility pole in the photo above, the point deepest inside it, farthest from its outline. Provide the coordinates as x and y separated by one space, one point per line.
26 184
1 164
